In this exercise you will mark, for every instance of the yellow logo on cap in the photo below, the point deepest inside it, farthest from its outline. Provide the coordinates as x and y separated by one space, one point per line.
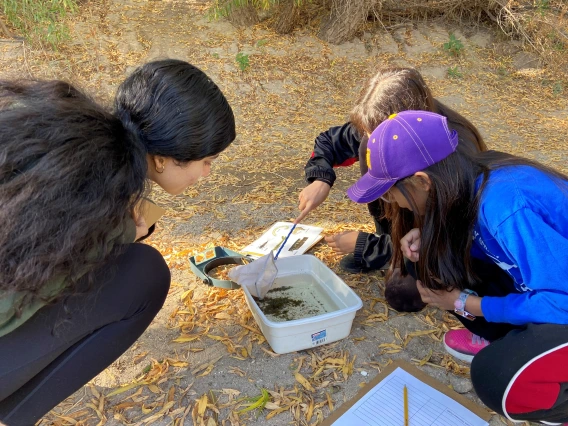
392 116
369 158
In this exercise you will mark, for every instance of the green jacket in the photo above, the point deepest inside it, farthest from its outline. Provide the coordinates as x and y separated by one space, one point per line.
16 307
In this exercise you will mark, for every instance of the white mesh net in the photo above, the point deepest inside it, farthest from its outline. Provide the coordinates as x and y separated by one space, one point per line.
257 276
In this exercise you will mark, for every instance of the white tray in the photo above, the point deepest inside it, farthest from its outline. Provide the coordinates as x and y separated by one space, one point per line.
305 333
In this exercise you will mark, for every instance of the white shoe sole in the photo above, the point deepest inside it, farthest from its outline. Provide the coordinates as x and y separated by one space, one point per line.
458 355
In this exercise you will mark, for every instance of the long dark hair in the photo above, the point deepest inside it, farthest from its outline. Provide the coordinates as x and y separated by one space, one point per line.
71 173
70 176
175 111
395 89
451 212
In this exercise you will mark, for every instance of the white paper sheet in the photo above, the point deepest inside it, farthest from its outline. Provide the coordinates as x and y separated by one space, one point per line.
384 406
302 239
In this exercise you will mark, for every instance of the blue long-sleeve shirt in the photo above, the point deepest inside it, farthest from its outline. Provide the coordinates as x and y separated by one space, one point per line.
522 226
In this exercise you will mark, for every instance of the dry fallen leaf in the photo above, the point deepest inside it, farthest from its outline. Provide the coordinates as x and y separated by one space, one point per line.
302 380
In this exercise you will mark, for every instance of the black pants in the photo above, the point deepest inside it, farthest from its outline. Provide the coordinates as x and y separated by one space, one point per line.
66 344
524 374
522 364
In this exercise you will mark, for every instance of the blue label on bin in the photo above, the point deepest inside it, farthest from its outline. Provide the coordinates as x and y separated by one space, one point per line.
318 338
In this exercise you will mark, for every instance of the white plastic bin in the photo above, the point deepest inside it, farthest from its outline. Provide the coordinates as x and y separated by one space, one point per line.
305 333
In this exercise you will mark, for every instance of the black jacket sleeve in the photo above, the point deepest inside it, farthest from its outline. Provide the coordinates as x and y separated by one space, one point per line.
373 251
338 146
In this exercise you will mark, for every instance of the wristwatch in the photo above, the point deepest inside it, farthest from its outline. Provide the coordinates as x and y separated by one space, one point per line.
459 304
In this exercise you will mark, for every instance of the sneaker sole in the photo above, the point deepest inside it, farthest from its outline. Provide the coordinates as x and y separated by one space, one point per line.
458 355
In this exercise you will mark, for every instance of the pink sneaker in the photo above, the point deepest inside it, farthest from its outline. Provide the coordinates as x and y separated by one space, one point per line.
463 344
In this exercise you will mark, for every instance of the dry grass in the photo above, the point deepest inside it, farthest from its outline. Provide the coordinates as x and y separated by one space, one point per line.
263 169
541 24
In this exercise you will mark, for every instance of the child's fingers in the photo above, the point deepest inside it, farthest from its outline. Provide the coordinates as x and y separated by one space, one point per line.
303 207
424 292
409 254
302 214
331 242
410 244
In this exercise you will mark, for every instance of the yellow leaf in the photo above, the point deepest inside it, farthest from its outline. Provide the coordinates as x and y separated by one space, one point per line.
139 357
421 333
186 293
171 393
205 365
202 405
220 338
154 389
277 411
68 420
272 354
124 405
146 410
188 338
310 411
304 382
167 406
397 334
329 401
426 358
318 372
125 388
207 371
390 345
159 414
94 391
339 361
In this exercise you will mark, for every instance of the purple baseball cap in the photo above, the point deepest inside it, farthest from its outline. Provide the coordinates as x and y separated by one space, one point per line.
402 145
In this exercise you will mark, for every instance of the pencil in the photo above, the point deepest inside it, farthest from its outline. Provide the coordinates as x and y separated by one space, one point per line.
405 406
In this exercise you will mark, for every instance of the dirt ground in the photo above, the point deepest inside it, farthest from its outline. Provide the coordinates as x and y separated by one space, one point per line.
295 87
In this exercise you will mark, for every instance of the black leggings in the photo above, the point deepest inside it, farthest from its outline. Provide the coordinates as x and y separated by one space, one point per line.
523 373
66 344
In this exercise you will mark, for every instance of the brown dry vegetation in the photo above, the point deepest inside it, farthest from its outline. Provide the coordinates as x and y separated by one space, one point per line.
204 353
542 24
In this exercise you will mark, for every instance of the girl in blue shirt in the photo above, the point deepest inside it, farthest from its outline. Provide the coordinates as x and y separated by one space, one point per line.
489 235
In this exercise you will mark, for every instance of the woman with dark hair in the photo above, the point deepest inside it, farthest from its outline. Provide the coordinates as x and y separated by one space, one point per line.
489 233
389 91
75 293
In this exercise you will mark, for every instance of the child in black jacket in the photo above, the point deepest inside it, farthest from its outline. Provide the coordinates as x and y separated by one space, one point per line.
389 91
